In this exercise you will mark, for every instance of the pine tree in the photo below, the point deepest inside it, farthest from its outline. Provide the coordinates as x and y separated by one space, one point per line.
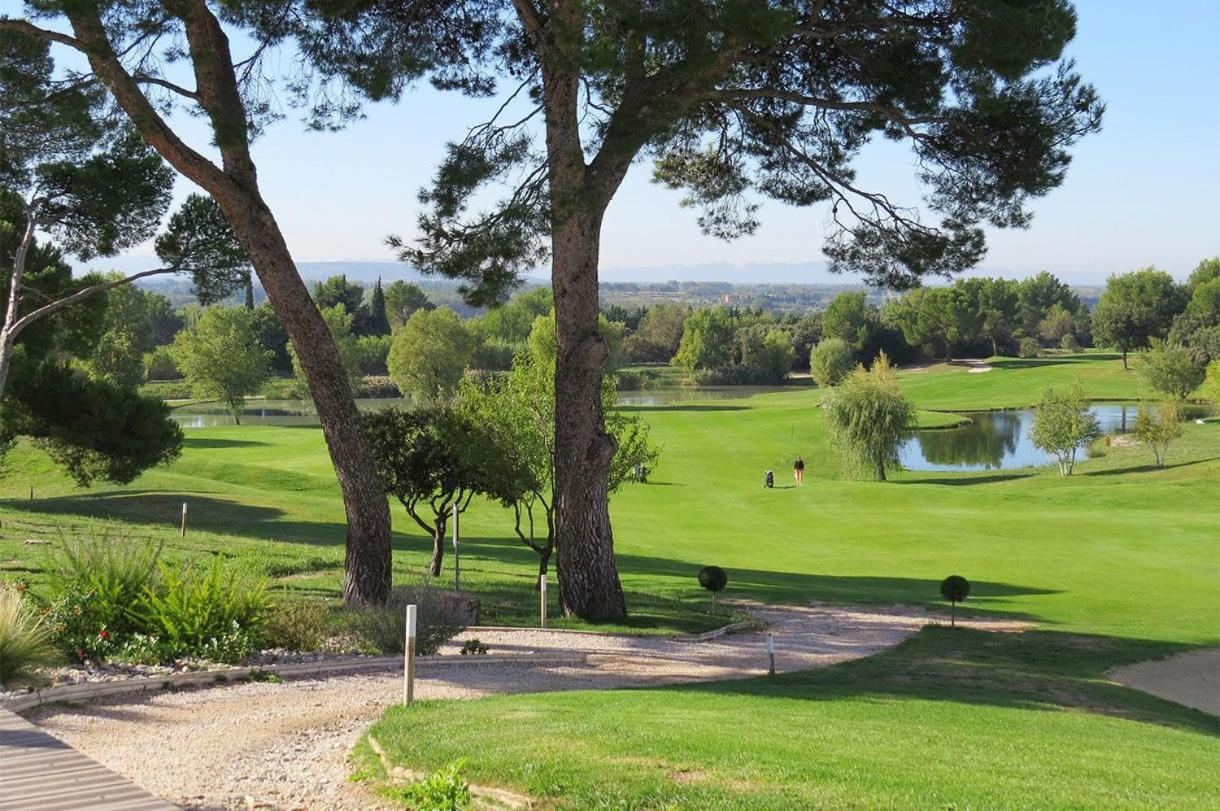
379 323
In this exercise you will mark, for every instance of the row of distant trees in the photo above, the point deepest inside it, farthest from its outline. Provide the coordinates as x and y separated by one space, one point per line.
394 340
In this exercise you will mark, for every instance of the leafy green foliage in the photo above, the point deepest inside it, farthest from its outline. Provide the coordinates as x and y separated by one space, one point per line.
867 418
402 299
199 240
831 361
707 340
851 318
221 357
1172 370
118 356
114 575
658 336
713 579
768 350
296 625
429 354
1211 386
443 790
1158 430
209 613
1136 307
384 628
955 588
92 428
1063 424
25 637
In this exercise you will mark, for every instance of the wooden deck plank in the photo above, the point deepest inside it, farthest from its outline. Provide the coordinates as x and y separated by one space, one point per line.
40 771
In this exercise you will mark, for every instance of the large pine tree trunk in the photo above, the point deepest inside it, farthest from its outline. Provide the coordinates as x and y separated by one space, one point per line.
588 578
366 575
234 186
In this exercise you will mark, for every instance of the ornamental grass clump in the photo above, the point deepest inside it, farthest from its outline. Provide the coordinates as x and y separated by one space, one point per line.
25 638
384 628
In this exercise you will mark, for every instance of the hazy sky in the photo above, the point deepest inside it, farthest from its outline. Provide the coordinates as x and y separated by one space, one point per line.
1146 190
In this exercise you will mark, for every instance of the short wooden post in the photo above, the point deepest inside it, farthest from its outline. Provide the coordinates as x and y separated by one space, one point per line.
408 670
457 558
542 601
31 492
771 654
184 519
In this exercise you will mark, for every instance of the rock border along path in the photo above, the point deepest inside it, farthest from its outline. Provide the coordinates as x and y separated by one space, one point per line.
284 746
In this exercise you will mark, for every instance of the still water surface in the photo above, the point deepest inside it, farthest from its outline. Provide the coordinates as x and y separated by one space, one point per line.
997 440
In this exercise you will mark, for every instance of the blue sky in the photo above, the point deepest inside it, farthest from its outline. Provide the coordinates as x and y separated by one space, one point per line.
1144 191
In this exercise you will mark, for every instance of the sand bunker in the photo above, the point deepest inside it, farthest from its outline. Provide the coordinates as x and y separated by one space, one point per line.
1192 679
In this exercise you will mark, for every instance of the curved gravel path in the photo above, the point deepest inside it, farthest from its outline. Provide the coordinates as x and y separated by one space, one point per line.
284 746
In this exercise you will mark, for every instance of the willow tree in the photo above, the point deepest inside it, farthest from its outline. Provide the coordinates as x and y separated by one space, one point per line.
152 56
734 102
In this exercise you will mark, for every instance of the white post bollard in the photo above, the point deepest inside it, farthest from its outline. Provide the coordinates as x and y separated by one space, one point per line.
457 559
408 670
542 600
771 653
184 519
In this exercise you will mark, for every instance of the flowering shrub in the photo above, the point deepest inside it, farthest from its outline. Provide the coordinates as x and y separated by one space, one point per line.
117 601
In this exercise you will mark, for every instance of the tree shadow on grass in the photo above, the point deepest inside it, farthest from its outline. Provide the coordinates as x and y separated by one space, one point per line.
1116 471
645 409
207 443
1036 670
204 513
987 598
966 478
1064 360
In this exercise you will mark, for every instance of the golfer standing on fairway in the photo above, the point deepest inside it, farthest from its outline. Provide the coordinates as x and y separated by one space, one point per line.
798 470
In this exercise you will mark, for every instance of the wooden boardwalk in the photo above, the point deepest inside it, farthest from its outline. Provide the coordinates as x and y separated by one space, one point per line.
41 773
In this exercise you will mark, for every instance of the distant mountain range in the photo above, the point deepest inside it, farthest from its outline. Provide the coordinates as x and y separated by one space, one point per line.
753 273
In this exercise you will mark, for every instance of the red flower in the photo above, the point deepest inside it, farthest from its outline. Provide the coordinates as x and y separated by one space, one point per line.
104 634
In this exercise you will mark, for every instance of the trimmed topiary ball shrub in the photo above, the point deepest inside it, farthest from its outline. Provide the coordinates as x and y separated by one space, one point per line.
955 589
714 579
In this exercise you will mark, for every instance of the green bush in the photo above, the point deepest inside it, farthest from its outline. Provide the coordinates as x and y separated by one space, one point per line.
831 361
1028 348
204 613
159 365
298 625
384 628
25 638
1069 343
94 587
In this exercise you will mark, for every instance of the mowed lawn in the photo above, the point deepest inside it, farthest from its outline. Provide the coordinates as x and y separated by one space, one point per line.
1119 563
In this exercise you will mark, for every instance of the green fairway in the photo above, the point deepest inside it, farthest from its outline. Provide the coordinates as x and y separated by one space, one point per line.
1118 563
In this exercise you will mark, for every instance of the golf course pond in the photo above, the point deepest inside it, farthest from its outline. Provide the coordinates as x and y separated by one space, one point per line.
997 440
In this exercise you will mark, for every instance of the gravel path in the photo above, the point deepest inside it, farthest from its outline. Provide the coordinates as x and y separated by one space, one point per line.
284 746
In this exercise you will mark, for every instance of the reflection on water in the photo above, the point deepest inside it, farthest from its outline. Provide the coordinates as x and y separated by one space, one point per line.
668 396
997 440
266 412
